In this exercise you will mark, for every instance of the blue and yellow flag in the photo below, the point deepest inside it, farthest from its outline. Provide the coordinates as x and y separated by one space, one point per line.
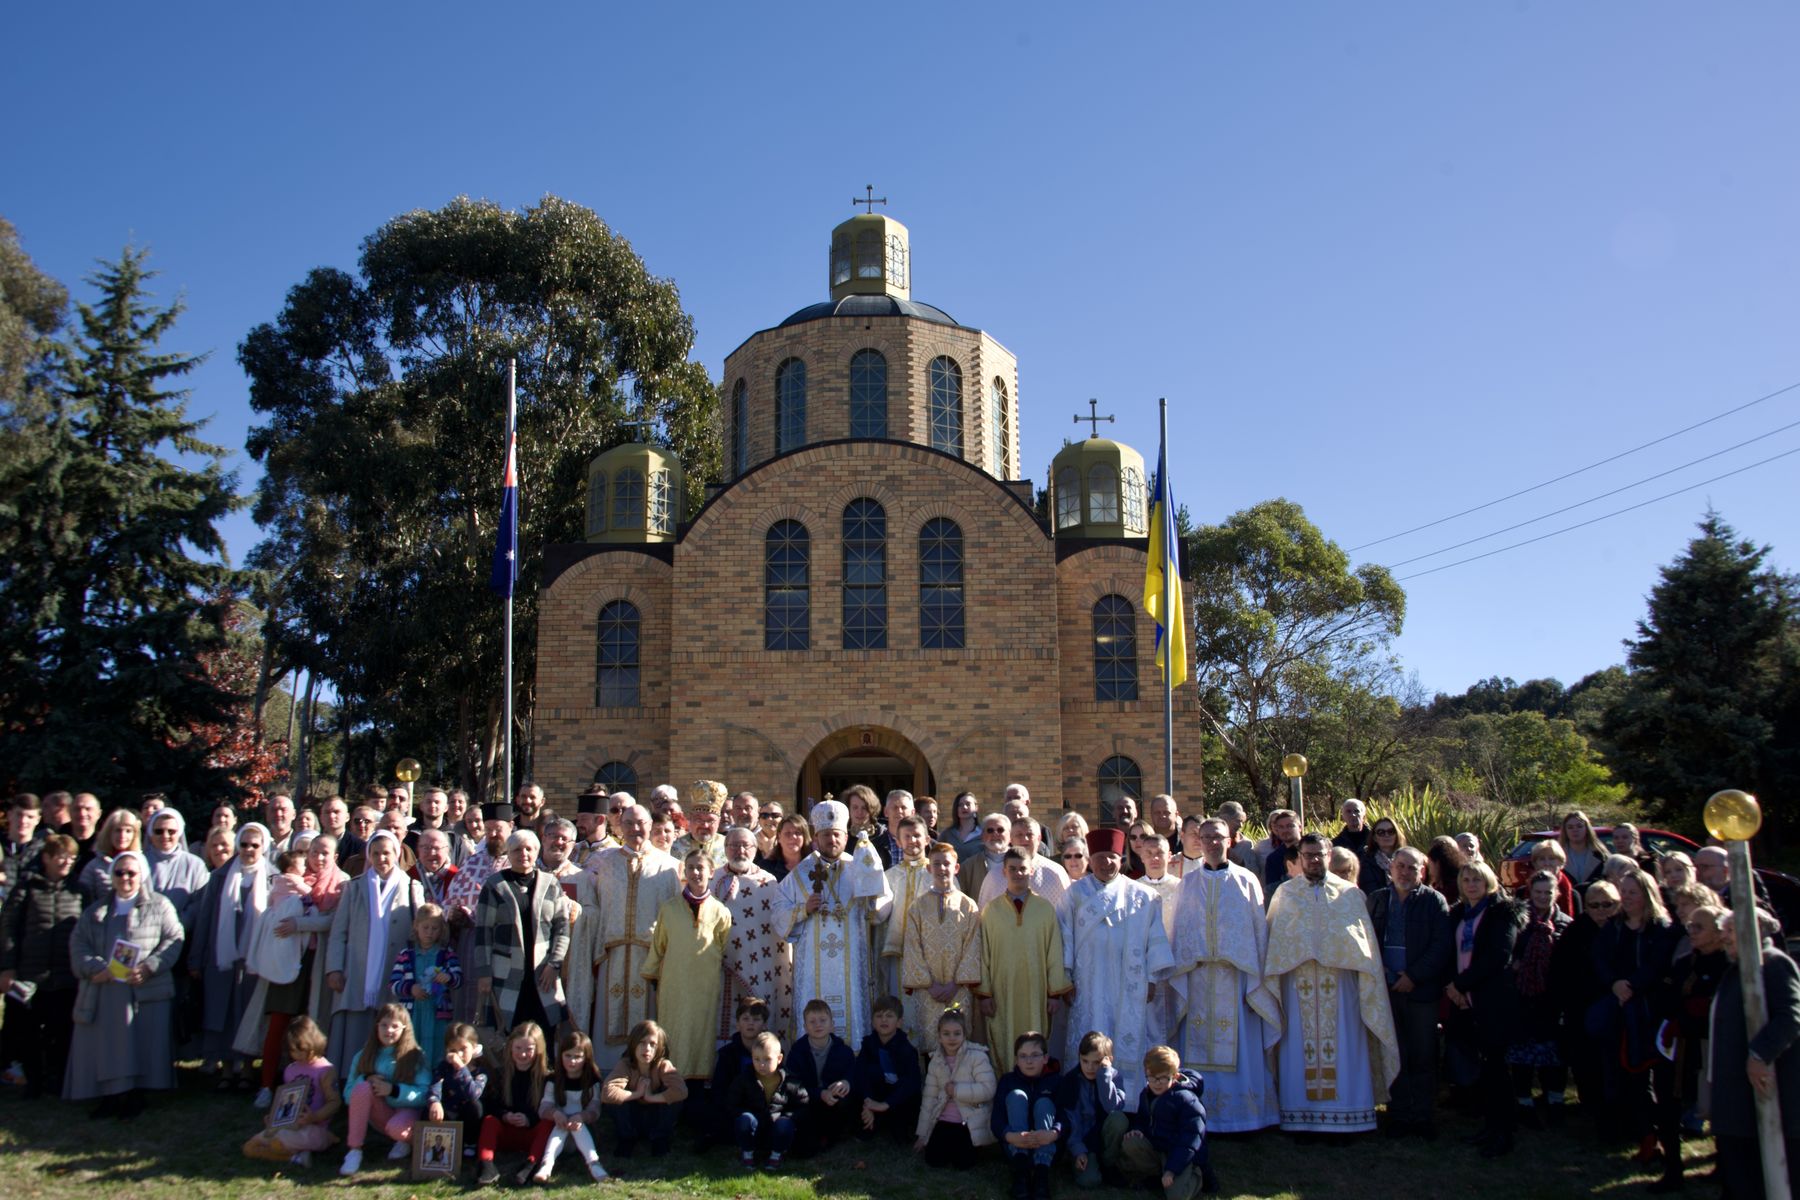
1162 577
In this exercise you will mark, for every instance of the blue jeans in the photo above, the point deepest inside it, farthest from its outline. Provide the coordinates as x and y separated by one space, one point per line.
1041 1115
755 1135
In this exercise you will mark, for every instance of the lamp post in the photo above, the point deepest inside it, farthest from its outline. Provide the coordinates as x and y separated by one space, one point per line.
1294 767
1734 817
407 770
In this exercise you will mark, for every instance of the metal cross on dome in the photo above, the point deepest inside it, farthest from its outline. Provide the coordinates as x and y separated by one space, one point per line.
871 199
1094 418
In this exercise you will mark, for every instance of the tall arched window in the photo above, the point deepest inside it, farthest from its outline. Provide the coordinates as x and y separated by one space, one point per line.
940 585
868 394
1119 777
787 603
1103 493
865 576
616 673
1132 490
596 504
1115 649
1000 427
740 428
790 406
628 499
945 409
1068 497
616 777
868 254
662 503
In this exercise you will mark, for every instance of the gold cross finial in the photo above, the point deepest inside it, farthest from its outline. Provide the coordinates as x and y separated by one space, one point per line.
1094 418
871 199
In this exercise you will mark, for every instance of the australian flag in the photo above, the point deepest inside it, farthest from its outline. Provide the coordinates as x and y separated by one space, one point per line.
506 543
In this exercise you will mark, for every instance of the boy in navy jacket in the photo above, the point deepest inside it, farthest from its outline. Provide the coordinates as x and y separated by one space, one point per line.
887 1075
825 1067
1167 1139
734 1060
1092 1103
1025 1120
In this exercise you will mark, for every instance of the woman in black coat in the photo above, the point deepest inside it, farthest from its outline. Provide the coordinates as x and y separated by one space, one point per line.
1536 1049
1632 958
39 919
1483 1006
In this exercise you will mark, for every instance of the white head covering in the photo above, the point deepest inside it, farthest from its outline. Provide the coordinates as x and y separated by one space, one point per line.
230 946
382 895
829 814
180 836
144 880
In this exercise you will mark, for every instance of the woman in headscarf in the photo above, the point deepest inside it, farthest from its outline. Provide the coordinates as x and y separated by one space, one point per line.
124 950
176 873
121 831
369 928
234 900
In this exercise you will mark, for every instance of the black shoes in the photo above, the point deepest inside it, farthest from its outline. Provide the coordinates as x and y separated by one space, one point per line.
1021 1177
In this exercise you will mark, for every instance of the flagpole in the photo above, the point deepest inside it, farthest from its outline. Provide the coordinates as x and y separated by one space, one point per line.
1168 604
506 696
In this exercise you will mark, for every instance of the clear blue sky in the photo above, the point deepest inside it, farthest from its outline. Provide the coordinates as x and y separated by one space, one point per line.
1389 260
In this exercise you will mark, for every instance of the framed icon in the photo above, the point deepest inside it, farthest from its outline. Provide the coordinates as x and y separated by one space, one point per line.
289 1103
437 1149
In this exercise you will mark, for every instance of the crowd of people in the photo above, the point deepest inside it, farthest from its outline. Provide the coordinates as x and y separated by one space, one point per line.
1105 996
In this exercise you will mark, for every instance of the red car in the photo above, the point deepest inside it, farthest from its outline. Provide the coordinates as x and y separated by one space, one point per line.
1784 889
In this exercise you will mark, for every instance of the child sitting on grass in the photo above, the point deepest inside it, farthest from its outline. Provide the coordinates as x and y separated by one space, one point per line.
571 1104
1025 1119
644 1091
1167 1140
456 1086
733 1060
822 1064
954 1111
511 1105
766 1105
387 1087
1092 1102
887 1075
311 1129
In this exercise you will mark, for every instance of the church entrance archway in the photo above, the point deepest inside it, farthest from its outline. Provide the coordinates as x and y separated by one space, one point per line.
873 755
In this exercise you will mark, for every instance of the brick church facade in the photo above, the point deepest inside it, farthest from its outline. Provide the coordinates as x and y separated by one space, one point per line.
869 596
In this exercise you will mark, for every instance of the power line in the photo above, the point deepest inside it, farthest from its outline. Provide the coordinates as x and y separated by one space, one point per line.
1581 470
1556 512
1605 516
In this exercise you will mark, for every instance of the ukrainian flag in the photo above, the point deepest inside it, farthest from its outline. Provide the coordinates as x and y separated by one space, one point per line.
1162 577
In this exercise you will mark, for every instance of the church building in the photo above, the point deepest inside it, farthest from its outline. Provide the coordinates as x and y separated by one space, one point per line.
870 595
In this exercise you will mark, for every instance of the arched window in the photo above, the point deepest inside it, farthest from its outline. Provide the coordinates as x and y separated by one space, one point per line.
1115 649
628 499
868 254
616 674
1119 777
865 576
790 406
940 585
740 428
787 605
868 394
896 260
1068 497
596 504
840 259
1103 493
662 503
1000 427
1132 490
945 408
616 777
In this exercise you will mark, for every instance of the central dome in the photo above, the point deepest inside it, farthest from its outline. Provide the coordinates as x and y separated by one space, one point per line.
870 306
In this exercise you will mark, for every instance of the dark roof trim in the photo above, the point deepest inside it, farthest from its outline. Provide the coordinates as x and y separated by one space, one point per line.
559 558
881 308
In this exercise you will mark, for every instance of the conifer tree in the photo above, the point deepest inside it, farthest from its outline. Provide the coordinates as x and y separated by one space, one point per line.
115 592
1713 659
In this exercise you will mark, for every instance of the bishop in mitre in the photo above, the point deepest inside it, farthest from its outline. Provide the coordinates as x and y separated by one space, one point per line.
824 905
1227 1018
1338 1053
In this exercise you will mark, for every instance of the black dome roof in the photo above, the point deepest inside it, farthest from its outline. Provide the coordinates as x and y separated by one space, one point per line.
870 306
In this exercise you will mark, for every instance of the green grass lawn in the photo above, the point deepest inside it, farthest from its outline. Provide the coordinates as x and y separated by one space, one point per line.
186 1147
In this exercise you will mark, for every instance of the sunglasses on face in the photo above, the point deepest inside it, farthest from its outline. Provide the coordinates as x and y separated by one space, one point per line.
125 874
1600 905
769 816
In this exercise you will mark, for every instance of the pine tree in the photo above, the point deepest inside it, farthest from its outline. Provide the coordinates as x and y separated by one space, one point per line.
115 595
1708 672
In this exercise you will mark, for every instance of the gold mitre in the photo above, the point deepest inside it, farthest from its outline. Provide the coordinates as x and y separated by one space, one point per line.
704 795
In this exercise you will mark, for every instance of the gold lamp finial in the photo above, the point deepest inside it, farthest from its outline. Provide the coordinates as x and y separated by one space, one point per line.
1294 766
407 770
1733 815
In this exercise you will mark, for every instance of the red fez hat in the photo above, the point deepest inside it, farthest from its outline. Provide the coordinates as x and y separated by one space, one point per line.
1106 841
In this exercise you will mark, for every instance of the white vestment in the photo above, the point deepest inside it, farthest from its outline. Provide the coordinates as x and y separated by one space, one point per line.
1114 947
906 882
1048 880
1227 1019
1338 1052
757 959
1164 1005
833 956
612 941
